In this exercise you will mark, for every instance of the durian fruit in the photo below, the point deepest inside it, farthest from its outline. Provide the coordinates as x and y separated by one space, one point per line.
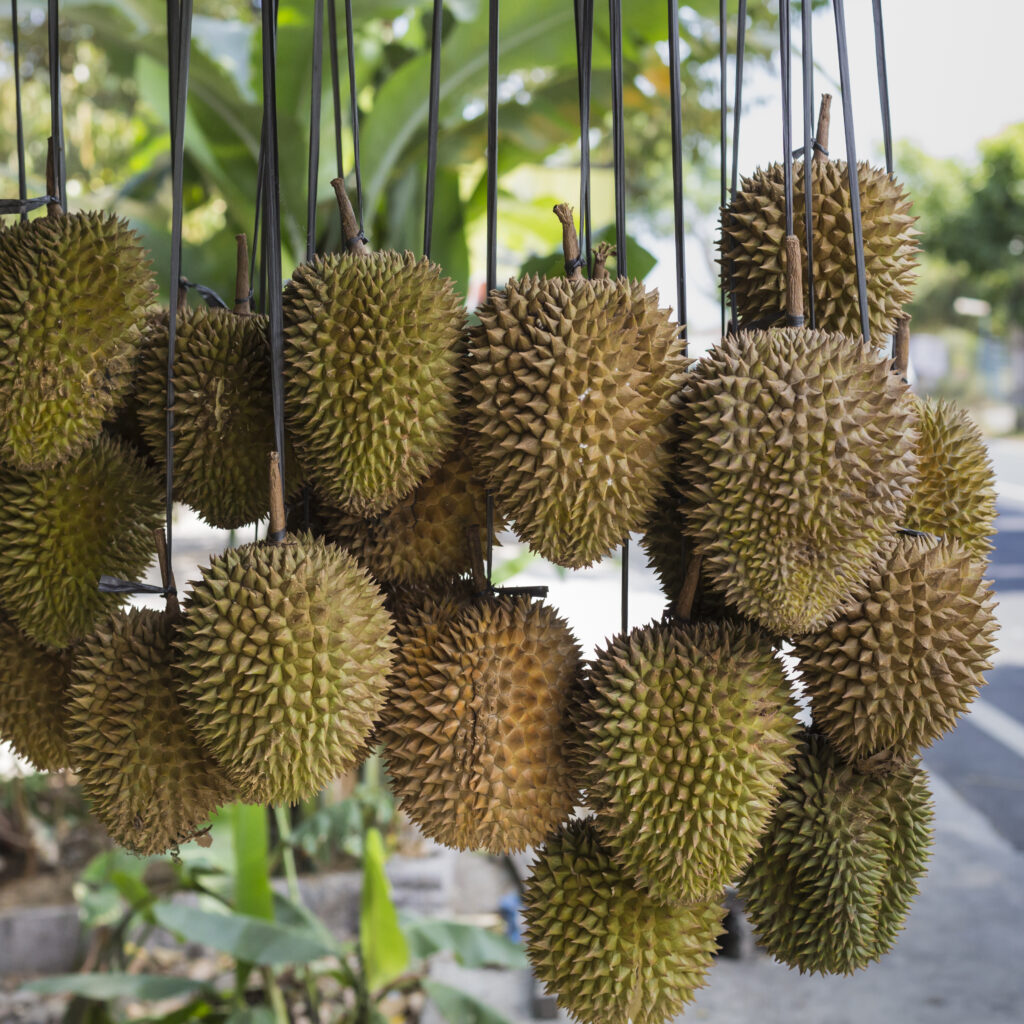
797 452
831 884
73 291
955 496
422 540
372 346
476 728
570 387
686 735
284 652
139 763
223 430
906 656
608 951
65 527
754 224
33 694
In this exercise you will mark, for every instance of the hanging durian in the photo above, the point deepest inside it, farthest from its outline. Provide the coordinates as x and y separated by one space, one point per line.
33 697
74 289
570 385
686 737
905 658
831 884
372 344
67 526
605 949
477 725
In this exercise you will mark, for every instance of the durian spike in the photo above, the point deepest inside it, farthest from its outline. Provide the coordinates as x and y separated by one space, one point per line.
349 225
242 307
821 137
601 254
794 282
278 523
52 209
166 574
901 346
570 242
476 558
688 593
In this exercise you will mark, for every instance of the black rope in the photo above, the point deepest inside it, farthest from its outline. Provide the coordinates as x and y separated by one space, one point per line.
883 82
677 166
851 160
432 125
316 89
25 206
737 106
584 22
256 264
19 119
807 56
56 103
209 296
723 50
492 208
785 52
354 106
332 31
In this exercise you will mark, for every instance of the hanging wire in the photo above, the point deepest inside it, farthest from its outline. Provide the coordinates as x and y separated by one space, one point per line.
492 209
883 82
353 98
723 53
807 56
737 109
785 52
332 31
677 167
56 103
19 119
851 162
316 89
432 125
584 21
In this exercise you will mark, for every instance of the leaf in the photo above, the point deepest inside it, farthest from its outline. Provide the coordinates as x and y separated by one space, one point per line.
248 939
472 945
104 987
385 953
252 865
252 1015
460 1007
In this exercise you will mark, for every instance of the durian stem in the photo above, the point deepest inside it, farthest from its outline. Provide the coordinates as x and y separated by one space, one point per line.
688 594
601 254
349 225
794 282
821 137
476 558
52 209
242 306
570 242
901 346
278 522
166 573
182 294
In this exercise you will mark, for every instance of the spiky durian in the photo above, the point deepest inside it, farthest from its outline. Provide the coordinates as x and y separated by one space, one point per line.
73 291
754 224
905 657
64 528
606 949
284 652
139 763
476 726
955 496
33 694
570 387
372 346
686 738
830 886
223 428
798 456
423 539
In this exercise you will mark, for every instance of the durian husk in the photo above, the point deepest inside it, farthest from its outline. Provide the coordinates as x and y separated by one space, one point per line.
604 948
138 761
372 345
907 655
284 653
797 456
955 496
753 266
687 737
831 884
63 528
33 695
477 725
570 388
73 292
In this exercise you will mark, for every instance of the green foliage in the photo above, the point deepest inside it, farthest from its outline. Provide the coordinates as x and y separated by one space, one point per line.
472 946
460 1007
383 949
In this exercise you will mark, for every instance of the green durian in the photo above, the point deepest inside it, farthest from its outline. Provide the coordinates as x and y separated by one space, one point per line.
907 654
284 652
753 266
604 948
797 457
831 884
73 292
67 526
33 696
137 759
686 738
